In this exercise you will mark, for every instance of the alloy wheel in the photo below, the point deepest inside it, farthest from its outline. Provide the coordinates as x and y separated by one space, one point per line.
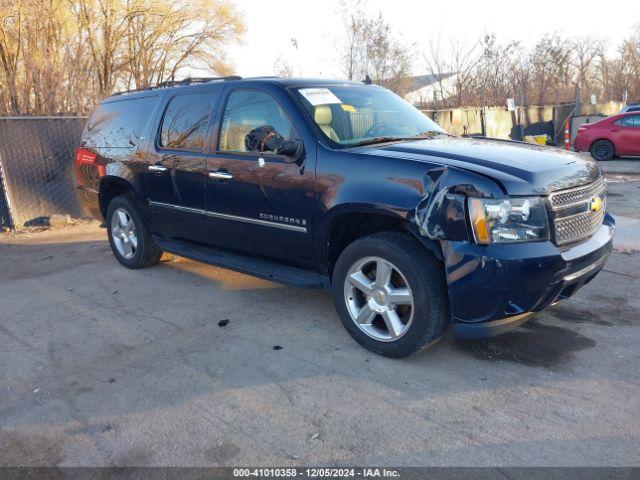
123 233
379 299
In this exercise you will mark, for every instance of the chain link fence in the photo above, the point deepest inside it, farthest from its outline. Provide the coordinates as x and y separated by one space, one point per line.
37 168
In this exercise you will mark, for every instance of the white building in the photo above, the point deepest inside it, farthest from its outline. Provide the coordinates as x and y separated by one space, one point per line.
427 88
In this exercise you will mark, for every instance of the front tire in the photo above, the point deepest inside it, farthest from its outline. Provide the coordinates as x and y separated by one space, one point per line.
129 237
602 150
390 294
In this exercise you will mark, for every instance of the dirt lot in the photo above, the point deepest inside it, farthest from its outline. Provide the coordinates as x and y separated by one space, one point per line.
105 366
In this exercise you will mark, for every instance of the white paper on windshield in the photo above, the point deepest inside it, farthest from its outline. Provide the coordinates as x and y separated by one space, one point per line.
319 96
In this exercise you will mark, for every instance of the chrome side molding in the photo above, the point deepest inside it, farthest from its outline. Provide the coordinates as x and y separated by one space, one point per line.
226 216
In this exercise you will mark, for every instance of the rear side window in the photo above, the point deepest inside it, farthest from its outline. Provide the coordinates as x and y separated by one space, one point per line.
185 121
119 124
629 121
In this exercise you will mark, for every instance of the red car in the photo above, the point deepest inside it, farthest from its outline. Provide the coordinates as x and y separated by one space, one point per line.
616 135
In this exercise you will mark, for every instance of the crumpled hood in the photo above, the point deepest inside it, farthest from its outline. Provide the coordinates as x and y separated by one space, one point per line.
522 169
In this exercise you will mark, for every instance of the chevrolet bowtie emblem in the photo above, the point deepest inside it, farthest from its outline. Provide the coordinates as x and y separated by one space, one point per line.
596 204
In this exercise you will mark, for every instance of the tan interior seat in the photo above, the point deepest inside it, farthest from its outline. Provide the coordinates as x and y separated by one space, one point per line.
323 116
232 138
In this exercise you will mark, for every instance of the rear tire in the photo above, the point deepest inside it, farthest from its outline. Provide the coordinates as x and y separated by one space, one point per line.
390 294
129 237
602 150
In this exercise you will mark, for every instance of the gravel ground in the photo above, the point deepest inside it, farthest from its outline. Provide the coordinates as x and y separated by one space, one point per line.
107 366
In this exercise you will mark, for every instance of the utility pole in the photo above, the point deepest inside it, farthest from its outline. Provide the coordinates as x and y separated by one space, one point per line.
521 116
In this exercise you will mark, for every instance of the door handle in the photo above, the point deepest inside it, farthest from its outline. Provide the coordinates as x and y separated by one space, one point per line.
156 168
221 175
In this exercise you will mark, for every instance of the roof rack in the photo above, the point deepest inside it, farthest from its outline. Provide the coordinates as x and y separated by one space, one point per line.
186 81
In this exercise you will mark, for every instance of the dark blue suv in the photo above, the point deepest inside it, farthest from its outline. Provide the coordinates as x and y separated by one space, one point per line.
344 185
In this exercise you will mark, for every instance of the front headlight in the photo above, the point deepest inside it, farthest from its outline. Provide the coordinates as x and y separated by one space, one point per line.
507 220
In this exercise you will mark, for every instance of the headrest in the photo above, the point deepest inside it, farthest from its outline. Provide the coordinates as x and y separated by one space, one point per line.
322 115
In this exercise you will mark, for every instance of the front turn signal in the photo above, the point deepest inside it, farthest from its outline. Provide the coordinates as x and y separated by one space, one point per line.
479 221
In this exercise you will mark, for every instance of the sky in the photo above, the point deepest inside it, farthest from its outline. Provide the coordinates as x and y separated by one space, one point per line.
316 25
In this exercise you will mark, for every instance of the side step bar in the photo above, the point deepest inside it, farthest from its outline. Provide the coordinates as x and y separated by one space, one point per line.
252 266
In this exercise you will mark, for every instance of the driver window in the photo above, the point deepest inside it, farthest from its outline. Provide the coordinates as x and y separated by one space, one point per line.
253 122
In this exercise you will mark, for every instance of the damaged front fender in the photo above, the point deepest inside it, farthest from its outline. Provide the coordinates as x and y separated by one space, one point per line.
470 272
440 214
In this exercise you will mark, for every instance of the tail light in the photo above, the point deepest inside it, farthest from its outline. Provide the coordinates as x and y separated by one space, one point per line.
87 157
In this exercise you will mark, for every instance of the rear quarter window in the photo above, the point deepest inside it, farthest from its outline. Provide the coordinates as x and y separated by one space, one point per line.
120 123
185 122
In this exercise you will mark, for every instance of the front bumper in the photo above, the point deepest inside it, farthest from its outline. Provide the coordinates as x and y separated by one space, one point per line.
495 288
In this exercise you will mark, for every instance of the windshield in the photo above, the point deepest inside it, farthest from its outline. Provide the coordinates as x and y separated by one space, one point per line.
352 114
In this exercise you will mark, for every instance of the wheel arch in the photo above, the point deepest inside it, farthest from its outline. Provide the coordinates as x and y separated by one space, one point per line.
112 186
348 225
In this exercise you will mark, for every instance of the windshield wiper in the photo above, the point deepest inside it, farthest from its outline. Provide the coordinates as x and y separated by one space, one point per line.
371 141
374 140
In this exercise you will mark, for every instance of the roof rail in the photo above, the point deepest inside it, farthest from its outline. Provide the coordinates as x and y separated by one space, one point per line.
190 80
186 81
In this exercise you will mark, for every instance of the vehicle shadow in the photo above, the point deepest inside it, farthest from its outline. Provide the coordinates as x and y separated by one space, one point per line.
534 344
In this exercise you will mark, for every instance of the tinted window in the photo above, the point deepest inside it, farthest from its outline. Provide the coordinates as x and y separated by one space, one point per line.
247 110
185 121
630 121
119 123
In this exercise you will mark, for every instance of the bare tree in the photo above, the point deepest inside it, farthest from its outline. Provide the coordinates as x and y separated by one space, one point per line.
371 48
388 60
628 72
494 77
585 51
103 27
11 25
162 36
458 61
549 73
63 55
352 49
549 65
282 68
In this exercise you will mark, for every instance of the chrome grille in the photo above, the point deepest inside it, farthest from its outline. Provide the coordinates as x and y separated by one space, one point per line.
572 219
565 198
577 227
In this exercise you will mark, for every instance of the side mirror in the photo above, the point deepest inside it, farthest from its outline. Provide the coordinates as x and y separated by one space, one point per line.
291 148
